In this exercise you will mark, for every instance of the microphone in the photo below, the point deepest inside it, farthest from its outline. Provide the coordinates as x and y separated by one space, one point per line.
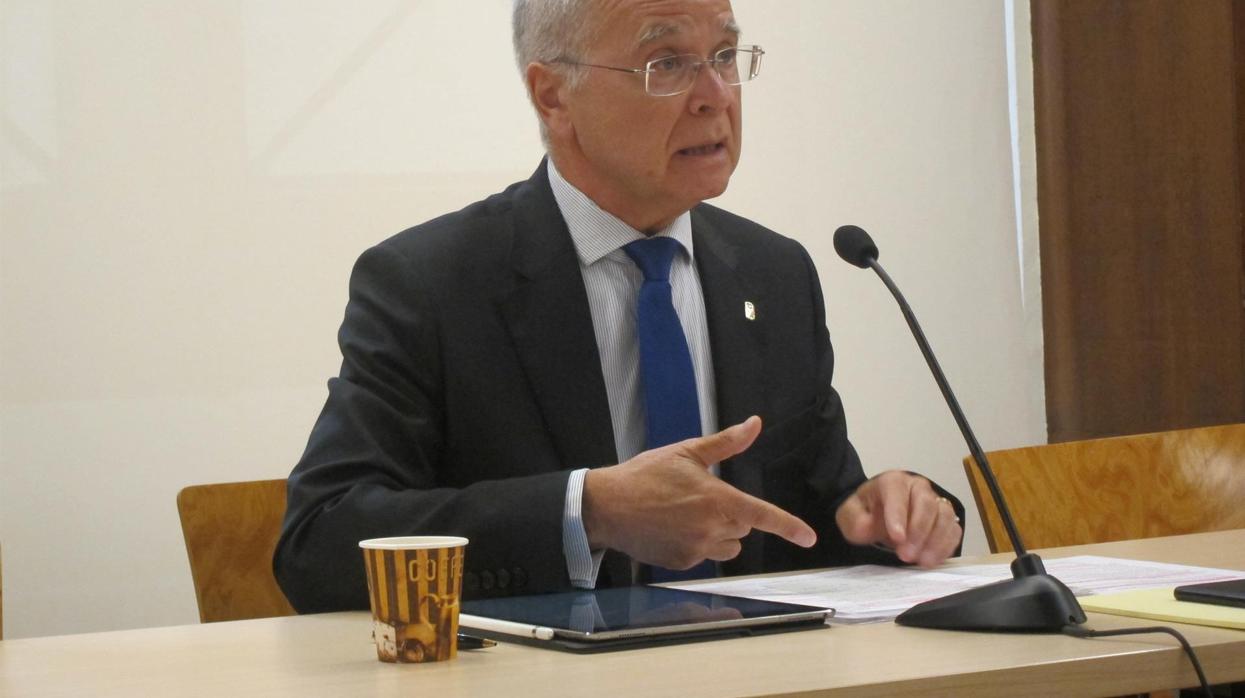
855 246
1032 600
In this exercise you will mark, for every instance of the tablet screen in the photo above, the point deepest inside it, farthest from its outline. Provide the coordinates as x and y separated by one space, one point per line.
627 609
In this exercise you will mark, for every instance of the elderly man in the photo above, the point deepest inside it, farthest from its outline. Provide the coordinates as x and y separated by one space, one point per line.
594 376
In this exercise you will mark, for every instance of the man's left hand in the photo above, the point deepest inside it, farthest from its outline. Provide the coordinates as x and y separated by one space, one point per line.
901 511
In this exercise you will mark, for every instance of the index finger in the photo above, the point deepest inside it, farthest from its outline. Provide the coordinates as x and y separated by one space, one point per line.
761 515
892 498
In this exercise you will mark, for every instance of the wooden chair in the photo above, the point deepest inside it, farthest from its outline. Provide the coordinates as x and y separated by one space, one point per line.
231 530
1119 488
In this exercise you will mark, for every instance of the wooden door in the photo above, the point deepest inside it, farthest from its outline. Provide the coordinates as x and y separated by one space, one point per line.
1139 107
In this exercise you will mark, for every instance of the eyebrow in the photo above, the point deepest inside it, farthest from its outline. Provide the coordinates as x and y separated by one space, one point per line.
656 32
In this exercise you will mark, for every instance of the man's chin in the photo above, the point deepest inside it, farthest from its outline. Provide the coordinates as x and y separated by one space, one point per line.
711 192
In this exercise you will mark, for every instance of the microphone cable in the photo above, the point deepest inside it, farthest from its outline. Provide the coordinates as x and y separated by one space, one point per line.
1086 633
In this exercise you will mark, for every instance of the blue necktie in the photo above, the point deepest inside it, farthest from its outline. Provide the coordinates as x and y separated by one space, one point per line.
672 409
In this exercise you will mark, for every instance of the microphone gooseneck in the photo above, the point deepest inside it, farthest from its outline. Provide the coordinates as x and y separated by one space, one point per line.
1032 600
856 247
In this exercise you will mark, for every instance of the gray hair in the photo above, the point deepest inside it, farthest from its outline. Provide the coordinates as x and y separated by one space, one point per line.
546 31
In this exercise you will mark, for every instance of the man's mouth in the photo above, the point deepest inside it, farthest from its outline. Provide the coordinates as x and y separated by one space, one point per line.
707 149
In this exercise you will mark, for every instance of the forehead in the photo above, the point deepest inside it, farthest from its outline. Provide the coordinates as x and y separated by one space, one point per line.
634 23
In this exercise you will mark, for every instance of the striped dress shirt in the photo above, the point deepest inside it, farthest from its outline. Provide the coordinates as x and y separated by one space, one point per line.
613 282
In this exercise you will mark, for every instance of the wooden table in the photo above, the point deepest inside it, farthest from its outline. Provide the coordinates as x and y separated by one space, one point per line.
332 655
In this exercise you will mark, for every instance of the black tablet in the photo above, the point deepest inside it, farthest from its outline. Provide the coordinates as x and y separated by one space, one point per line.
1228 593
598 619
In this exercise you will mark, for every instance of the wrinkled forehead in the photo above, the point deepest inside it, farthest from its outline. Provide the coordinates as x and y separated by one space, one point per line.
632 24
661 29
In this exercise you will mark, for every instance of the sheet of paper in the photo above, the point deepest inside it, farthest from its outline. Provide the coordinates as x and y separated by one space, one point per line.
875 593
863 593
1093 574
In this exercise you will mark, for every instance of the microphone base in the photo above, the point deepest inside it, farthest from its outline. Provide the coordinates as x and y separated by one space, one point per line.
1037 603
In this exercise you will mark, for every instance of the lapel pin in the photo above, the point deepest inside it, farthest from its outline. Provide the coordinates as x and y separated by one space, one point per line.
750 310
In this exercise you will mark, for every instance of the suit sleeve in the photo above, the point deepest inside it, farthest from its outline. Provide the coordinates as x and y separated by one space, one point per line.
375 464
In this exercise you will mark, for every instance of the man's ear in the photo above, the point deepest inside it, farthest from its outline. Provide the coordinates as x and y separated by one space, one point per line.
548 91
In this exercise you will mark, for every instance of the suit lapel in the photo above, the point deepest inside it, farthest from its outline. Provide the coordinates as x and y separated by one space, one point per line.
738 354
738 342
546 312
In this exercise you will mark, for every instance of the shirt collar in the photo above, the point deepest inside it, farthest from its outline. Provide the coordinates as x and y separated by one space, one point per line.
597 232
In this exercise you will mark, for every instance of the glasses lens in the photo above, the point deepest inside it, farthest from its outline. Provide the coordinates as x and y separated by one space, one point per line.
670 75
674 75
749 55
754 63
727 64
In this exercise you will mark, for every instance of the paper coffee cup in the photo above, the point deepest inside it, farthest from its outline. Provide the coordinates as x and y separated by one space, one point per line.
414 583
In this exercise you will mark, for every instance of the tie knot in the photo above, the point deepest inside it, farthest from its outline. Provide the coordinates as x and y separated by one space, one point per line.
653 256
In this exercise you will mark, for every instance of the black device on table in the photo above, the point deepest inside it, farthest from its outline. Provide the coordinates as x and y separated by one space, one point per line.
1226 593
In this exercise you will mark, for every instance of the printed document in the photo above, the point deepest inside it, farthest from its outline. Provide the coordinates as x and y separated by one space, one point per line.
872 593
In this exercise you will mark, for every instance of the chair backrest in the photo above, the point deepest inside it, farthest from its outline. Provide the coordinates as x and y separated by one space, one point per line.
1120 488
231 530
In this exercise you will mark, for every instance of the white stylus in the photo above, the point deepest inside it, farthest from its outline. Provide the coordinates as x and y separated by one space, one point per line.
505 627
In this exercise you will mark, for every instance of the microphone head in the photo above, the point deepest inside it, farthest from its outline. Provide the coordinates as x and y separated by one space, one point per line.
855 246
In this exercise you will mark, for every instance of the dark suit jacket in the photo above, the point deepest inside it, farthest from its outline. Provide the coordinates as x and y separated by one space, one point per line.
471 385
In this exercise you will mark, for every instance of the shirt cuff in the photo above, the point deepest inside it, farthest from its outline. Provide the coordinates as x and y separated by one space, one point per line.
582 564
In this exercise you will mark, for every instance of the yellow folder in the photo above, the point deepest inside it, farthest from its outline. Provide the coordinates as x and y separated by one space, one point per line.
1159 604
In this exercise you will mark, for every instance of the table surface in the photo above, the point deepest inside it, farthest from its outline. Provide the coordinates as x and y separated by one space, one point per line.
332 655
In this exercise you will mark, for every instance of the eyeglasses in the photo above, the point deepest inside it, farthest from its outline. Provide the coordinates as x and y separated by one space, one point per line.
673 75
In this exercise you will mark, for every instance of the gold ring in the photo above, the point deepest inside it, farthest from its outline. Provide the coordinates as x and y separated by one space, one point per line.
946 501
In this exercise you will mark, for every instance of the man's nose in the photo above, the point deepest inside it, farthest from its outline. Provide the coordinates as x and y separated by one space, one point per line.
709 91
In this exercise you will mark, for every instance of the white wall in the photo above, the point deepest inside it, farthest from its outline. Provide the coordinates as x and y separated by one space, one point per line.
185 185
